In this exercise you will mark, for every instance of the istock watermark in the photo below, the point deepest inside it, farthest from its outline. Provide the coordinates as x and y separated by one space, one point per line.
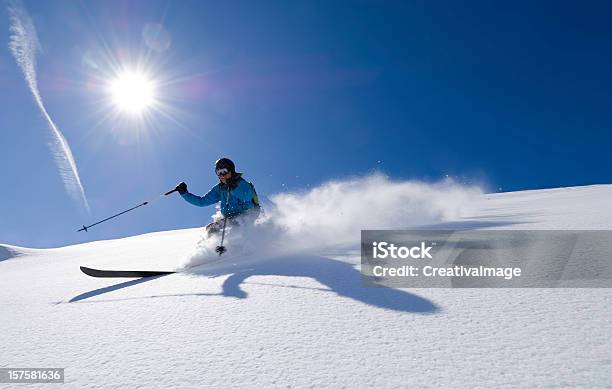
383 250
486 259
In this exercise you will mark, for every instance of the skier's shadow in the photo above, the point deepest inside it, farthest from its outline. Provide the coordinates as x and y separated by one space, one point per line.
339 277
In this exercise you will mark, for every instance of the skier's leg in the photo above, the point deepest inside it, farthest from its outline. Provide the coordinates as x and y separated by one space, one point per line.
212 228
215 227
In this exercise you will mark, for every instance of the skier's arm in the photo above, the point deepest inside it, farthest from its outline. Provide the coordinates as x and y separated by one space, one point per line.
213 196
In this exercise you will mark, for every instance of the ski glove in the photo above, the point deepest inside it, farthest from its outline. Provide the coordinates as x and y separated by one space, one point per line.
181 188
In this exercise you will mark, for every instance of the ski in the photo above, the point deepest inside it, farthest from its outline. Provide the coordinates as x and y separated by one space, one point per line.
122 273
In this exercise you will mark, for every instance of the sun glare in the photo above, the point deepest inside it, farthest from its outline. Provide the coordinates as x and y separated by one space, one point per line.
132 92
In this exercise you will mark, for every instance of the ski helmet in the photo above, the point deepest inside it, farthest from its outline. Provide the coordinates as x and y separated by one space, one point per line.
225 163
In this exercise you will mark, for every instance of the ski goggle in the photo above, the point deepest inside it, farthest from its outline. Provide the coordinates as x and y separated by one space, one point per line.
222 171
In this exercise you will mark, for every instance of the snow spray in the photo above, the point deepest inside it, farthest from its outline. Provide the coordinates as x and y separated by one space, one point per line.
332 215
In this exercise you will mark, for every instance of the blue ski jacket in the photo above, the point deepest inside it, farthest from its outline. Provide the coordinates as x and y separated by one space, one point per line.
236 197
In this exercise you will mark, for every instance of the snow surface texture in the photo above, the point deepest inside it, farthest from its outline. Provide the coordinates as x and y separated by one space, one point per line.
24 45
303 319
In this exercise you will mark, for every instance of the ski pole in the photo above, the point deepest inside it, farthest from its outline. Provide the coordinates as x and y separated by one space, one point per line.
85 228
221 248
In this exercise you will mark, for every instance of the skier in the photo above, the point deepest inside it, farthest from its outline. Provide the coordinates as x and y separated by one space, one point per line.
237 196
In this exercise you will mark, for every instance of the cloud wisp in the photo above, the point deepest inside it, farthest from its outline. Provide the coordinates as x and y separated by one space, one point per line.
24 45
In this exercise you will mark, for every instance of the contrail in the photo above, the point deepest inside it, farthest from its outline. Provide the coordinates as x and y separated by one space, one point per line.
23 45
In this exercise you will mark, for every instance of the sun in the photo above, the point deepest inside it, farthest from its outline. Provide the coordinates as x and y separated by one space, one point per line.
132 92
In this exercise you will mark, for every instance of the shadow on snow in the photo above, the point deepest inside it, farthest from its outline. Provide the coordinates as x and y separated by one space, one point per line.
111 288
339 277
6 253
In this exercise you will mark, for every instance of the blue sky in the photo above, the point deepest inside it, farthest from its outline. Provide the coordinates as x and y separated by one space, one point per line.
512 95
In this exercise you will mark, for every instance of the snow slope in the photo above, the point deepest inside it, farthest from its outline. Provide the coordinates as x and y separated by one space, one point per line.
303 319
